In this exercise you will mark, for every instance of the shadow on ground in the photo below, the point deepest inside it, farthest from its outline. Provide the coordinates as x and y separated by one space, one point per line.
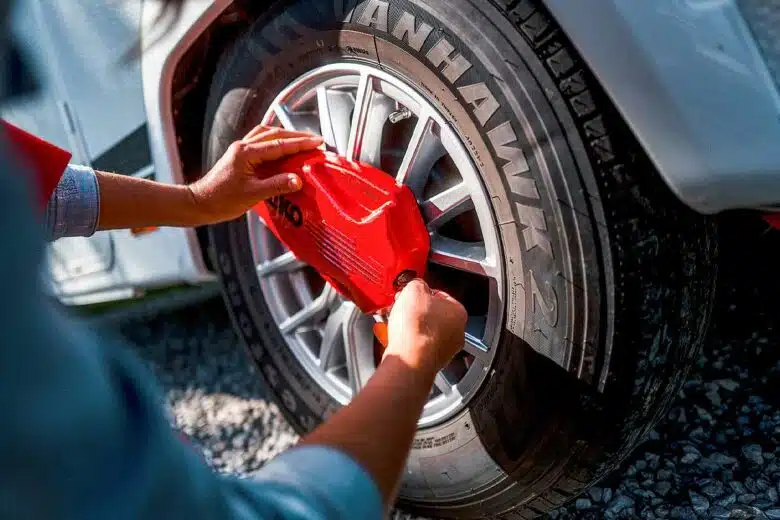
716 453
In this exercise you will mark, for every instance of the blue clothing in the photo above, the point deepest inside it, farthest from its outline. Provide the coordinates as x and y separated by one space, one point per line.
84 434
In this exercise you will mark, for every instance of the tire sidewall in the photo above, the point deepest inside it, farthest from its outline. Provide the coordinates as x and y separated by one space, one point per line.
547 277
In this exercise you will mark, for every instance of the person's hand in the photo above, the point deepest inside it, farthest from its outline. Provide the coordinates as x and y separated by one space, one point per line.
236 182
426 327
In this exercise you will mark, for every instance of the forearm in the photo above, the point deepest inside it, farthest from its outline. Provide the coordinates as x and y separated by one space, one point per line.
378 426
128 202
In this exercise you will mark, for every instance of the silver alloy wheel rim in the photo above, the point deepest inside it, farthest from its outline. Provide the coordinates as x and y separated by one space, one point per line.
351 105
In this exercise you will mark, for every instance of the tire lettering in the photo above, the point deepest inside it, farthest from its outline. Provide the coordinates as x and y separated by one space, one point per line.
454 65
525 187
375 15
549 304
405 28
500 137
423 443
535 232
482 101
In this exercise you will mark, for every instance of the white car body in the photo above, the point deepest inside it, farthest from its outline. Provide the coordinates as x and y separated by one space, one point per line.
119 117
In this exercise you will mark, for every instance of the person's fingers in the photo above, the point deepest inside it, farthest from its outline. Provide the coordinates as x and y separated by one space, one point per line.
258 130
277 185
267 133
265 151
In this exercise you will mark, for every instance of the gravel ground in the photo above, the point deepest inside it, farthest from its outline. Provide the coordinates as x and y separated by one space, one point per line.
716 455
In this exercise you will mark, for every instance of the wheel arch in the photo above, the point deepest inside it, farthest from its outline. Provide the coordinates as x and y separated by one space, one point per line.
690 82
177 63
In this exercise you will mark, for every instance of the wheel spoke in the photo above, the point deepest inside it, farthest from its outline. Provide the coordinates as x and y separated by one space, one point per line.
447 205
285 263
311 312
442 384
464 256
422 153
475 347
334 108
359 115
284 117
370 114
358 347
332 336
303 122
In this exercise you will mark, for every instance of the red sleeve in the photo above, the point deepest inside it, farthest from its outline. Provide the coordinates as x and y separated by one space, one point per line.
46 161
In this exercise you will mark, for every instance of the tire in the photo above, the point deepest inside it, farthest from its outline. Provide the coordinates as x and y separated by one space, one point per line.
609 278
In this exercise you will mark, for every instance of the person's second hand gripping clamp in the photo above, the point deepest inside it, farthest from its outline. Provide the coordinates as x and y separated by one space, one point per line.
354 225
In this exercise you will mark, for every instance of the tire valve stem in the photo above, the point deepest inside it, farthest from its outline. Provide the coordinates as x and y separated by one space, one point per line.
399 115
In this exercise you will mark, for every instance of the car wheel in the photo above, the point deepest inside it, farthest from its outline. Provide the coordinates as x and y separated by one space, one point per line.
588 284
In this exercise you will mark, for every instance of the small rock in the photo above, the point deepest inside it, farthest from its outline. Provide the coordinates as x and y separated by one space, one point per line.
704 415
690 458
742 513
607 495
719 512
662 511
595 494
652 459
643 493
714 489
663 488
727 500
737 487
762 504
683 513
773 514
753 453
619 504
772 495
714 397
689 448
663 474
700 504
746 513
722 459
746 498
582 503
728 384
653 436
698 434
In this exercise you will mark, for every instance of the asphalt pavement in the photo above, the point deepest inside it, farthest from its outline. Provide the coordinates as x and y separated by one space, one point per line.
715 455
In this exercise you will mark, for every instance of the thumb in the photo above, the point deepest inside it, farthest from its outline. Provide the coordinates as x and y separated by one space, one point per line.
277 185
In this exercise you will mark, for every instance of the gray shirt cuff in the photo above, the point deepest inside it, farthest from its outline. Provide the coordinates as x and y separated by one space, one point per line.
74 208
